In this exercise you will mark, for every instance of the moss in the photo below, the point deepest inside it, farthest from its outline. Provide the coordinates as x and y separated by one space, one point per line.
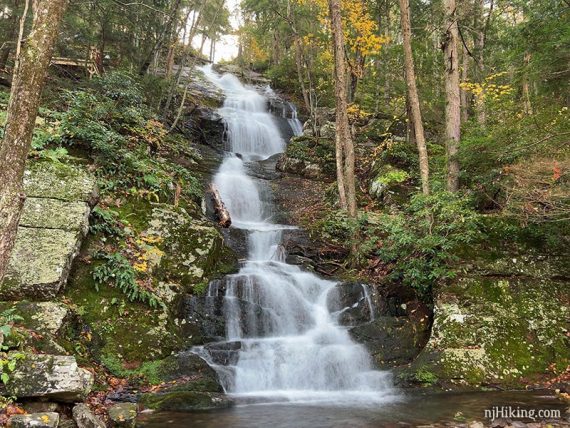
499 330
185 401
126 331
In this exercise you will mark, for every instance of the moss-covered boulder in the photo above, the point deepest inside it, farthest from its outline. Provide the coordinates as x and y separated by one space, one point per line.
502 322
189 250
54 377
39 264
191 384
53 223
186 401
57 180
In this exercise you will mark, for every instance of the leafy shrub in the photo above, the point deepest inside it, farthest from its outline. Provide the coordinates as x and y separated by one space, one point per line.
118 272
8 361
421 242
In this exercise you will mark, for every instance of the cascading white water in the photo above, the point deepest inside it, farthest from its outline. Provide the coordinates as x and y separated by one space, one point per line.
291 346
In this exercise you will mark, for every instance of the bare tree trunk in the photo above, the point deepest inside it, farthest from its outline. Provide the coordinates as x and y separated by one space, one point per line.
414 100
452 107
299 64
525 86
11 36
344 144
464 77
27 84
481 27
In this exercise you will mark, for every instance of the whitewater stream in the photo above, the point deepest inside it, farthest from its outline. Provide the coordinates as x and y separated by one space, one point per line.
293 349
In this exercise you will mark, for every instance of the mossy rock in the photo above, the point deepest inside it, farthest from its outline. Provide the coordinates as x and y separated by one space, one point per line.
186 401
191 248
57 180
115 328
499 330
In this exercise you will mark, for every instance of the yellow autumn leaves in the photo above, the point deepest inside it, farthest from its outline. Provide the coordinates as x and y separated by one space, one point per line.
360 30
487 89
147 253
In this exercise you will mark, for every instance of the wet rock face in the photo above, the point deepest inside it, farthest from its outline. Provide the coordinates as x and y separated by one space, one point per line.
350 303
54 221
49 376
500 322
207 316
392 341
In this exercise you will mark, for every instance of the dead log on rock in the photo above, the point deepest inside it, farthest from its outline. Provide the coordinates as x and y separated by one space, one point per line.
220 210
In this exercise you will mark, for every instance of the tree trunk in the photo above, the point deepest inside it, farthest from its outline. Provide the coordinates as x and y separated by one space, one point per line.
27 84
344 144
525 86
452 107
12 35
481 25
464 77
414 101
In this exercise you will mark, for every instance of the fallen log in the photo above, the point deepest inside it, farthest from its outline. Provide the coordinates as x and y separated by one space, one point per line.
220 210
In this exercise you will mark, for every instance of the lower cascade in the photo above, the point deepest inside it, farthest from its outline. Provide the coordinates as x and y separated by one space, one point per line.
288 344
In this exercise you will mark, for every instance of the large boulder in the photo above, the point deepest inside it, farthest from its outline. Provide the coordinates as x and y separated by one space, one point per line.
54 377
351 303
191 385
299 167
53 223
187 250
84 417
123 415
500 322
40 263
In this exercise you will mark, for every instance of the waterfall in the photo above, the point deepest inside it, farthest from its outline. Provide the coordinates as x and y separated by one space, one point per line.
290 346
294 121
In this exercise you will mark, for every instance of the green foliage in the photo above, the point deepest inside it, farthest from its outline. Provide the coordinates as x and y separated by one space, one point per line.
394 176
424 240
106 221
118 272
8 361
148 372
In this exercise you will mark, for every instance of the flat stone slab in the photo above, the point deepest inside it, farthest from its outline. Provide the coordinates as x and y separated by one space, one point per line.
35 420
39 264
57 180
54 377
43 317
55 214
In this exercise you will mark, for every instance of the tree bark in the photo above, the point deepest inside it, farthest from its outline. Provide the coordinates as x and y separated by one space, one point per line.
11 36
414 100
29 76
344 144
525 85
464 94
453 103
